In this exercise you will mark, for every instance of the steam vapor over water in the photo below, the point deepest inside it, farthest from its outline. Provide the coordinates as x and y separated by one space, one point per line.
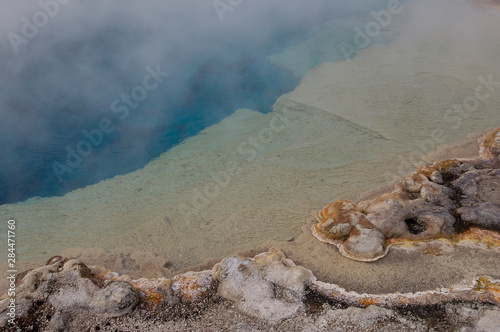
65 63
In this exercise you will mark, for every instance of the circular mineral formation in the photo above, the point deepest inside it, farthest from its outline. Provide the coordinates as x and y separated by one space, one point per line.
435 201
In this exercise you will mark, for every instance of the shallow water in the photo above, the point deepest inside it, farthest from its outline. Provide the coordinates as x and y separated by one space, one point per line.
253 178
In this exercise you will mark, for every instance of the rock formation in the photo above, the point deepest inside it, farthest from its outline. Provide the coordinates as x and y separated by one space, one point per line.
439 200
268 287
69 288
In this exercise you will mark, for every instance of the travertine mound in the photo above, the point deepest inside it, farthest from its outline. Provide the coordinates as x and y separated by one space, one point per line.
439 200
268 286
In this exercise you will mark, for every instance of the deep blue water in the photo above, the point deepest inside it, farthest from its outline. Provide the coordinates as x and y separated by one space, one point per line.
64 84
212 95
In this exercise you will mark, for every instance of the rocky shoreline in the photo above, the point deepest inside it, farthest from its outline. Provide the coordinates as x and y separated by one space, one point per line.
269 292
440 200
263 293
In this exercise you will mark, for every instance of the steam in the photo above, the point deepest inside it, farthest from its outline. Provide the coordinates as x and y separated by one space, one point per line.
62 78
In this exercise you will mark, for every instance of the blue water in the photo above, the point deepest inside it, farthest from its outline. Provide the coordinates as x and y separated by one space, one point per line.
62 84
214 91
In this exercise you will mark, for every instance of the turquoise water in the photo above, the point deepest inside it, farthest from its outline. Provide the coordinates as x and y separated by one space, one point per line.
59 87
253 178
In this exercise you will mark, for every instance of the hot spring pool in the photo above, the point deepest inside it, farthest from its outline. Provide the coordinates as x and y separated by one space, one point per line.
182 138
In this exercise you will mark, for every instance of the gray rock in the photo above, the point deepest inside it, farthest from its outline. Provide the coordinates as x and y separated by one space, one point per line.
116 299
291 279
340 230
438 195
388 216
59 323
372 318
462 316
365 244
470 182
437 177
243 283
367 316
413 183
67 285
243 327
431 220
413 219
485 215
237 276
489 321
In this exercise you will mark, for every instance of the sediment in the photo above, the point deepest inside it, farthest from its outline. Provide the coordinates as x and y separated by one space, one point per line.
263 293
269 289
